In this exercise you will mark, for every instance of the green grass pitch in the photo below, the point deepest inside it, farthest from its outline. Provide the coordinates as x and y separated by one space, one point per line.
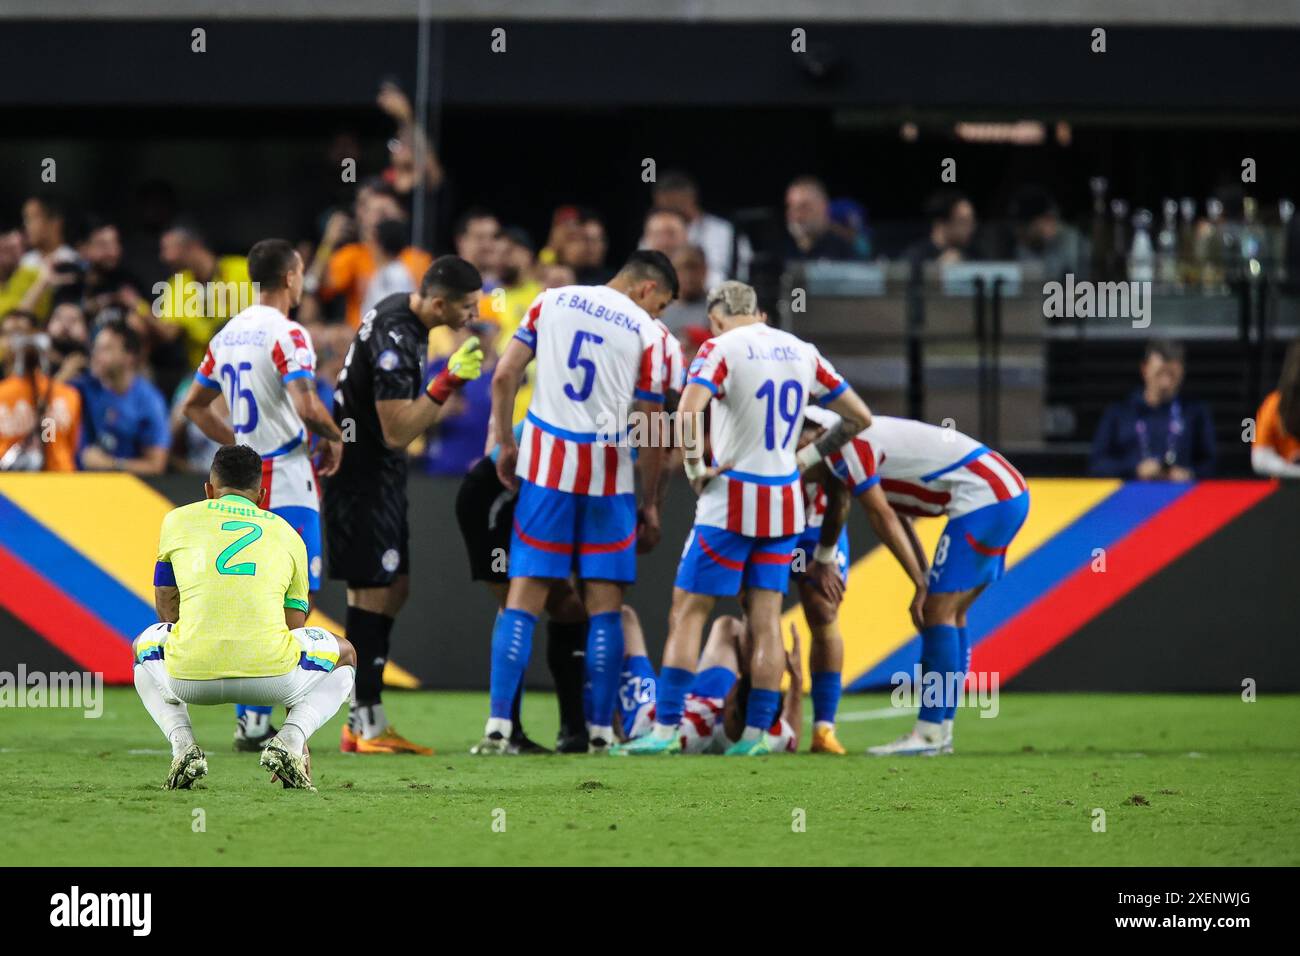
1186 780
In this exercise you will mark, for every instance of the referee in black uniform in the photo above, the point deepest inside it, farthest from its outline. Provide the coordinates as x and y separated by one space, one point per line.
381 406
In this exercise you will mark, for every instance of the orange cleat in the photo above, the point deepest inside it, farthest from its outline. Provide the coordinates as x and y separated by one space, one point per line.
390 742
347 741
825 742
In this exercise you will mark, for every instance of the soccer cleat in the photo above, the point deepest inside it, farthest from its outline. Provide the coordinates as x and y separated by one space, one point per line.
911 744
306 754
824 741
571 743
755 747
647 745
291 769
946 746
391 742
252 745
347 741
491 745
186 769
523 745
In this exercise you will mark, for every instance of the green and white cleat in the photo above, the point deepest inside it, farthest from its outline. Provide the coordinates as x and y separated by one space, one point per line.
648 745
755 747
291 769
186 769
491 745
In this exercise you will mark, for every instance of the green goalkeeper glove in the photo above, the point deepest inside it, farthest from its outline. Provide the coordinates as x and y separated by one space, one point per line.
465 365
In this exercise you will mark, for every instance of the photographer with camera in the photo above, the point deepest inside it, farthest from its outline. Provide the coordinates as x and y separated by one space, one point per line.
40 418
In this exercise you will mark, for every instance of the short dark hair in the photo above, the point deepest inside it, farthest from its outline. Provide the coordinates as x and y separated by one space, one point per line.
391 234
452 277
269 261
649 264
1171 350
51 205
940 205
676 181
129 336
238 467
468 216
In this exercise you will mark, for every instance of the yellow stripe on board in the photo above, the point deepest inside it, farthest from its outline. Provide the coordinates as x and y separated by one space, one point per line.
874 618
113 519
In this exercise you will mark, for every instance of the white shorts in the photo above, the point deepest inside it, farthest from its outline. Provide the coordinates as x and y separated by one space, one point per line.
320 653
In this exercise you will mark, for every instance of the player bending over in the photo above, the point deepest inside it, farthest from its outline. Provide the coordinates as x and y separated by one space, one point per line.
599 358
230 587
713 713
823 573
754 379
264 363
924 471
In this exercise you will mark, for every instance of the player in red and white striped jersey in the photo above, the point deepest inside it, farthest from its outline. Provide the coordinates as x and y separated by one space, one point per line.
599 359
925 470
755 380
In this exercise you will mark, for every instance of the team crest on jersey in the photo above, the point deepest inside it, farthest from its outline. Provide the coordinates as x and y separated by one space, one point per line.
388 360
303 358
391 560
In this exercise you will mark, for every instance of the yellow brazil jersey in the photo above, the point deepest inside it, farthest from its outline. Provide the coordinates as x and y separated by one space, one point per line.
237 568
202 308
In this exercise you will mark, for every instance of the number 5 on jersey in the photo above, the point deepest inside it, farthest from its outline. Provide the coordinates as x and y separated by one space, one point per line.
588 367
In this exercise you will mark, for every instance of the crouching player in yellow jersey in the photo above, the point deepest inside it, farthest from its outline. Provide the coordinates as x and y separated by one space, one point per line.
230 587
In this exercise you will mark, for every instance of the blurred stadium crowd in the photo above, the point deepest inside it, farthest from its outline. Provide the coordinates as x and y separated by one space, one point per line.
101 335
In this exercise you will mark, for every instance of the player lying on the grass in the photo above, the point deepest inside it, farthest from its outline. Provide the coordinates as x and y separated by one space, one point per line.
599 359
230 588
821 570
754 381
485 511
926 471
713 711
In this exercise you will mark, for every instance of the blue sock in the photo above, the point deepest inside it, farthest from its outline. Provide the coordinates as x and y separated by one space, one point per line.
963 665
763 705
713 682
671 695
512 644
604 664
241 709
938 662
825 695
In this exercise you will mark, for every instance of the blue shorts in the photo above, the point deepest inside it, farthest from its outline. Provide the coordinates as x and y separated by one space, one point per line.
306 521
557 533
973 548
808 545
718 562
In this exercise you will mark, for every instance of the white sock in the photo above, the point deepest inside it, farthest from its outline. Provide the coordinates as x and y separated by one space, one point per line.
498 725
664 731
322 703
929 730
371 721
171 715
255 724
603 733
751 733
947 729
824 724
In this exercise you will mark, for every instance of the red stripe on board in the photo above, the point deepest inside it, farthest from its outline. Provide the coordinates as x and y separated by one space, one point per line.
582 480
62 621
535 458
556 470
611 470
994 482
735 506
1130 561
763 520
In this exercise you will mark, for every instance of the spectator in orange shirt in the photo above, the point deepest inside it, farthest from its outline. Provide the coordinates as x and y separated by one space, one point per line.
347 271
40 419
1276 450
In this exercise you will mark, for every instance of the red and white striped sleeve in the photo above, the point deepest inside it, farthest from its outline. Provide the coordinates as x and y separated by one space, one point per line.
855 465
293 355
527 331
710 368
827 383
